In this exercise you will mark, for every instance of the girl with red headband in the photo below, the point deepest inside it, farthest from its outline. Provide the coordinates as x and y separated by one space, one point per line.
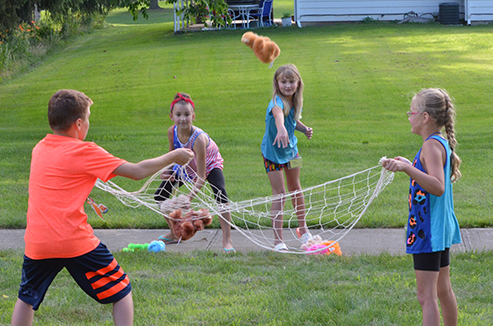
206 165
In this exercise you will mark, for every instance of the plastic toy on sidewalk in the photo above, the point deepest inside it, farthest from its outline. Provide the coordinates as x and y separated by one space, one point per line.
136 247
329 248
315 246
154 246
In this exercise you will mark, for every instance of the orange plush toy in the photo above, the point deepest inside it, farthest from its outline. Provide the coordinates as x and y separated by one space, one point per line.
317 246
185 226
266 50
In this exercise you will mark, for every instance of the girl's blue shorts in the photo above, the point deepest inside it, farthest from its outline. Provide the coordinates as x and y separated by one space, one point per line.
97 273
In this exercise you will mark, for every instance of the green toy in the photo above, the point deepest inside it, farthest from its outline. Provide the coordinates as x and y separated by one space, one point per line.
136 247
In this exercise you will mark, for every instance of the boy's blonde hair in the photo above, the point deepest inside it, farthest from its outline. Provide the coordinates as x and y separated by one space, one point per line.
289 71
438 104
65 107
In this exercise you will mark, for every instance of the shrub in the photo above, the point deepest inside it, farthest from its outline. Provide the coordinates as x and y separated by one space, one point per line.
27 43
16 45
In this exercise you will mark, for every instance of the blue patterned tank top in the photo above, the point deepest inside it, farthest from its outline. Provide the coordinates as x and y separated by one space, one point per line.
432 225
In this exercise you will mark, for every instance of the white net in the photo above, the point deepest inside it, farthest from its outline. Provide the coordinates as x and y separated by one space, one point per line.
331 209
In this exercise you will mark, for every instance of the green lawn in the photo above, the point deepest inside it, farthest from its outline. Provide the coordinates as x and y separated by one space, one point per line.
202 288
283 6
121 17
359 79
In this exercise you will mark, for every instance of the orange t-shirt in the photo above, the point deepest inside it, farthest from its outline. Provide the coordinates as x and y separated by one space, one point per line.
63 173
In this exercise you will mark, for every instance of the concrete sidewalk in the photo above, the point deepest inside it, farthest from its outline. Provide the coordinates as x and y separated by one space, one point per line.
356 241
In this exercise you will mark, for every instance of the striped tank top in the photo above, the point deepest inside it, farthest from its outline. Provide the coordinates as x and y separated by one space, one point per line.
213 159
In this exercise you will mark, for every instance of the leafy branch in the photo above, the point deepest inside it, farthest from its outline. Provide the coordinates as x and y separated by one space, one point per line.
215 10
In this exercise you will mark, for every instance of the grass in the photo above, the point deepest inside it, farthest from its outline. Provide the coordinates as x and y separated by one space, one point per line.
359 80
121 17
201 288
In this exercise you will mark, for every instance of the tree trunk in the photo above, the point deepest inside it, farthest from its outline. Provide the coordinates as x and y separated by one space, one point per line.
154 5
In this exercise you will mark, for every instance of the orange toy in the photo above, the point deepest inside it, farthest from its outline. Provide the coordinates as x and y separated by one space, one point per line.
266 50
324 248
100 209
185 226
315 246
334 249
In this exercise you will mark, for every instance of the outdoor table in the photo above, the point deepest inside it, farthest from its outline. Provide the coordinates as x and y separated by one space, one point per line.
244 12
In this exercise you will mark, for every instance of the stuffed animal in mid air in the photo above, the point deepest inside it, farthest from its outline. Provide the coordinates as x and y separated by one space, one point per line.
266 50
185 226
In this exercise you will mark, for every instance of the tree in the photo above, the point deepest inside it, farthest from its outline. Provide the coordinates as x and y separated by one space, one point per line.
134 6
15 12
154 5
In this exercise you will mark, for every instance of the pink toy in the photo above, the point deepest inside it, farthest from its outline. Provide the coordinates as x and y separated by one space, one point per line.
331 247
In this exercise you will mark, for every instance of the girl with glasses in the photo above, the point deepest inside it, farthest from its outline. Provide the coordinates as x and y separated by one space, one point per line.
432 226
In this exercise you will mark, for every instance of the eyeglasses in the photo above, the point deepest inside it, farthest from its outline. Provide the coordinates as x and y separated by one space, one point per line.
409 113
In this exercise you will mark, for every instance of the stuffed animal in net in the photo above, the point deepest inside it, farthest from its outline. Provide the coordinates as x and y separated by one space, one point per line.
171 205
326 247
263 47
185 226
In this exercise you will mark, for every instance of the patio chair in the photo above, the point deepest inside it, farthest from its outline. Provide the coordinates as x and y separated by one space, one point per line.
263 14
233 16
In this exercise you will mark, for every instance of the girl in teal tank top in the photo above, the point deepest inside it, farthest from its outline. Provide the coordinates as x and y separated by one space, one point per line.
279 148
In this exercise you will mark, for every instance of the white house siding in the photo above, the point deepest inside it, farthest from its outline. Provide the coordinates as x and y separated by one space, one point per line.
319 11
478 11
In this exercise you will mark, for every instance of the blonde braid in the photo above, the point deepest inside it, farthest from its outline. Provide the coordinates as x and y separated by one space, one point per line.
450 131
439 106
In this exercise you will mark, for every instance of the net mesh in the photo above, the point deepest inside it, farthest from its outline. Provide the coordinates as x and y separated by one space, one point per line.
331 209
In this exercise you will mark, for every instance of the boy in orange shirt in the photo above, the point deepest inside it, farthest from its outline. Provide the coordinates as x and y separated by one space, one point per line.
64 169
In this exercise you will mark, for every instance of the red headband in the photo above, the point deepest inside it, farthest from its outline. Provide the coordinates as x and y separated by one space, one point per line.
181 98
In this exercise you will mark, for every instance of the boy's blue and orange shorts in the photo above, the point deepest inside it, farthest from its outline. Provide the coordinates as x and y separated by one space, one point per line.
97 273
